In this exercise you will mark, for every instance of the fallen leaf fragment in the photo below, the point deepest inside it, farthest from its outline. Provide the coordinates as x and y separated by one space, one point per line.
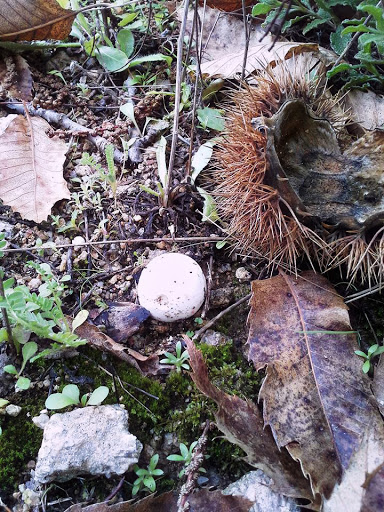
27 20
242 423
148 365
365 108
200 501
361 489
122 319
31 167
259 57
378 384
15 76
316 399
228 5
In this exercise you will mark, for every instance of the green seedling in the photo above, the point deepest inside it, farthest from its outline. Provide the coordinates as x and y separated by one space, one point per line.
145 480
28 351
185 457
373 351
178 360
70 395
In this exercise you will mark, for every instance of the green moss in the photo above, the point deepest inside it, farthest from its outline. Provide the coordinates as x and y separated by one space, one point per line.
19 443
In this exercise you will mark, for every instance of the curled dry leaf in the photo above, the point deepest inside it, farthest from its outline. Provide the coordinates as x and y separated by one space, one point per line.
31 167
148 365
365 108
259 57
316 399
27 20
242 423
228 5
15 76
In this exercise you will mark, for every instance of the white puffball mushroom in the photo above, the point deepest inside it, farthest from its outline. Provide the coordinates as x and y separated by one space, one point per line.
172 287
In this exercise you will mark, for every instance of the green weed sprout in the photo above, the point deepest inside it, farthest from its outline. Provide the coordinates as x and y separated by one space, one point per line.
70 395
178 360
186 457
373 351
145 480
28 351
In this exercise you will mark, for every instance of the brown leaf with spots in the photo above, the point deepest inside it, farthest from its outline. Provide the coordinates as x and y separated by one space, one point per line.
31 167
15 76
28 20
242 423
316 399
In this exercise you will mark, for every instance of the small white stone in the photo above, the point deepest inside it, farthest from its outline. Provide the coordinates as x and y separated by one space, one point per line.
13 410
172 287
243 275
34 284
41 420
137 218
78 241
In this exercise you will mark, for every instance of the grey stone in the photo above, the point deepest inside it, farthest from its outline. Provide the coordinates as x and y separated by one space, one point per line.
87 441
243 275
7 228
13 410
41 420
256 486
214 338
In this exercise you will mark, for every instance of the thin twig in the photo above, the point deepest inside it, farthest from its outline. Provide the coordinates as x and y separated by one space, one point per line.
221 314
175 131
212 239
247 33
5 314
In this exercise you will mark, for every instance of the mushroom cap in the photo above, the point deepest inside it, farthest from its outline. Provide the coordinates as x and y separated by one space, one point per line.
172 287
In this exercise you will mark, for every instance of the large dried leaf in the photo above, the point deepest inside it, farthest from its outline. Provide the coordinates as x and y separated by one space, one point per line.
27 20
259 57
31 167
316 398
365 108
242 424
15 76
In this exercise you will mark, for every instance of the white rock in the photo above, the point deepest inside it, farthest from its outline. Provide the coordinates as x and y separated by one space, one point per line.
256 486
34 283
243 275
41 420
13 410
78 241
172 287
87 441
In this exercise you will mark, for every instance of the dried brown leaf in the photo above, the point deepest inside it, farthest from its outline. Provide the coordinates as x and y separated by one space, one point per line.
200 501
365 108
31 167
27 20
259 57
316 398
228 5
243 425
122 319
15 76
148 365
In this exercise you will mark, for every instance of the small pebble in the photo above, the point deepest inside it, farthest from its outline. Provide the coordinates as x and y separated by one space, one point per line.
78 241
34 284
13 410
41 420
243 275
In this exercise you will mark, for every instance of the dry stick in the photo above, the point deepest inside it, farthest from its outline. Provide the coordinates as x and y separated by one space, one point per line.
198 77
5 314
247 33
177 103
222 313
192 469
64 122
125 241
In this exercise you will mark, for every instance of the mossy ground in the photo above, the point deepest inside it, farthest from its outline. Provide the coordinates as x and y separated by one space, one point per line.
180 408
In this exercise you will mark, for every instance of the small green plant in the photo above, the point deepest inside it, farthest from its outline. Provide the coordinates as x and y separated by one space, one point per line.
145 480
40 313
28 351
178 360
186 457
373 351
70 395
